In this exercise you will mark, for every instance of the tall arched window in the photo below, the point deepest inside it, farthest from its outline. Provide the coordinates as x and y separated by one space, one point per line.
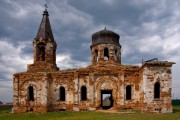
62 94
30 93
106 54
83 93
128 92
157 90
41 51
115 55
96 55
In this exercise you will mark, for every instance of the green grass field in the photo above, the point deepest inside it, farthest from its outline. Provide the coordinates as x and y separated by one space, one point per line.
6 115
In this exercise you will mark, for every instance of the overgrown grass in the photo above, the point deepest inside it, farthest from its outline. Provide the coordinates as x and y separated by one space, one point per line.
6 114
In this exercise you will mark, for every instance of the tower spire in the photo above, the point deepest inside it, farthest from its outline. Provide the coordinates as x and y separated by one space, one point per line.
45 31
44 47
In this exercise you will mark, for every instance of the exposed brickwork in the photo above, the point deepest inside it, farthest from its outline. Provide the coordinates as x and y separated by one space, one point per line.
105 74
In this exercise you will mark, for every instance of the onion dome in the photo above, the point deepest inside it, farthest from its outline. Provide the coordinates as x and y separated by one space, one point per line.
105 37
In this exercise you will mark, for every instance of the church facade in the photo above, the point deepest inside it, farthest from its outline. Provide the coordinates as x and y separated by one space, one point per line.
105 84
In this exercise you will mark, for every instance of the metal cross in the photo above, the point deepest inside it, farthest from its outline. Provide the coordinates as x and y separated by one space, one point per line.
45 5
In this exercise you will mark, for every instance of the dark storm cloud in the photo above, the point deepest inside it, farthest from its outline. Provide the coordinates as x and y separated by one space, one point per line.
20 19
130 19
113 13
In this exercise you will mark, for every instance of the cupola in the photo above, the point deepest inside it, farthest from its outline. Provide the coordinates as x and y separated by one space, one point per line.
105 47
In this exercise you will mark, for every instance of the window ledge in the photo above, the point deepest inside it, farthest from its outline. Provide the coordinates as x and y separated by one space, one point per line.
129 99
157 99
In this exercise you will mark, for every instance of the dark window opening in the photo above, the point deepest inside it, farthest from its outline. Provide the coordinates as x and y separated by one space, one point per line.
83 93
156 90
41 51
128 92
62 94
115 55
106 54
96 55
31 93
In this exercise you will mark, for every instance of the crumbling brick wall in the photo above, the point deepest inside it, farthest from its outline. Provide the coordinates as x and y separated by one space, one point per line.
162 75
39 81
96 78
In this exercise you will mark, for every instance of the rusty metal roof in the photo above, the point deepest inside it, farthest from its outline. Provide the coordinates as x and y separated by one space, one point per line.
45 31
105 37
155 61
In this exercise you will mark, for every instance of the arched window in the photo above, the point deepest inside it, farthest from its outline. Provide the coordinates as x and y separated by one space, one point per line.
30 93
115 55
157 90
106 54
128 92
62 94
41 51
96 55
83 93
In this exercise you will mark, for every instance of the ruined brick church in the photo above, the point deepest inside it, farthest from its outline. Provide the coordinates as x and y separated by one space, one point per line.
105 84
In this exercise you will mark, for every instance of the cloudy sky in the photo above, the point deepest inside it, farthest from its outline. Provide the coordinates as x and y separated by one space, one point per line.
148 29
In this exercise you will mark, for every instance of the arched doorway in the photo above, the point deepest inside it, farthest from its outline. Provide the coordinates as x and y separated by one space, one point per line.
106 92
106 99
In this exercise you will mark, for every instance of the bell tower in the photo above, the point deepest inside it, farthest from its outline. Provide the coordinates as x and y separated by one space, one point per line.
105 48
44 47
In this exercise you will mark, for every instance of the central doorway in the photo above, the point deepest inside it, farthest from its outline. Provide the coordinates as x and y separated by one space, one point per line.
106 99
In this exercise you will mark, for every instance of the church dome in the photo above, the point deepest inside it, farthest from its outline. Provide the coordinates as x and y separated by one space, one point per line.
105 37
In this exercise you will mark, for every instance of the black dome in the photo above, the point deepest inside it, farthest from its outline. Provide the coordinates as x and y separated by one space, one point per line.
105 37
